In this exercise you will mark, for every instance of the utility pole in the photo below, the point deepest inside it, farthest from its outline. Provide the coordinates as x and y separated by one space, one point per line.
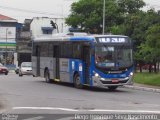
104 7
6 46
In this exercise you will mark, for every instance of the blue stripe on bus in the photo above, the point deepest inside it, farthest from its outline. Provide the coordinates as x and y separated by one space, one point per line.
81 38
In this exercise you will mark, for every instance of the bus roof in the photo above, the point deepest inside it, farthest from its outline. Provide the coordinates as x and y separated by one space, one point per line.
72 37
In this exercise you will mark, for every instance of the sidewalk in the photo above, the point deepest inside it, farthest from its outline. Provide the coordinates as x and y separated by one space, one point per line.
143 87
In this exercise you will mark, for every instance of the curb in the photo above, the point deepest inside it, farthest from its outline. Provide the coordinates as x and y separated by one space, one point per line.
149 89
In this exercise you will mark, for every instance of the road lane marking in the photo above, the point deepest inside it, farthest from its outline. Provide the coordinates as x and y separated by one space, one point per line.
81 110
125 111
45 108
35 118
67 118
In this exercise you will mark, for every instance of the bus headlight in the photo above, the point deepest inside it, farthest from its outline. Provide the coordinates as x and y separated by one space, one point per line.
131 74
96 75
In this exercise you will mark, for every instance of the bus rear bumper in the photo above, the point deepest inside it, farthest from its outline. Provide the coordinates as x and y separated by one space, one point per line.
104 82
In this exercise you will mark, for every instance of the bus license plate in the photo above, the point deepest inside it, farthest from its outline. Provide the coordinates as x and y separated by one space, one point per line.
115 80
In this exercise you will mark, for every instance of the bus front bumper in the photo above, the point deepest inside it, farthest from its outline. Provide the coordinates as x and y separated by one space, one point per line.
105 82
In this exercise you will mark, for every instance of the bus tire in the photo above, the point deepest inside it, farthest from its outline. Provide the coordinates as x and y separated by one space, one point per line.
47 76
77 81
6 73
112 87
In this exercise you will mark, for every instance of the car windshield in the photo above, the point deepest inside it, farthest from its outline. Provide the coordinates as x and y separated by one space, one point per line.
111 56
26 65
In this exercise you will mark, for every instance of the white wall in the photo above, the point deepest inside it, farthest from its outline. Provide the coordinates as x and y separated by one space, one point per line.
39 22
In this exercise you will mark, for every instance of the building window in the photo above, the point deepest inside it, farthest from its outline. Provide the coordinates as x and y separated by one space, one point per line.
47 30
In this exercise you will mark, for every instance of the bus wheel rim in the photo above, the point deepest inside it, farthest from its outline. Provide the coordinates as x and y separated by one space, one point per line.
78 82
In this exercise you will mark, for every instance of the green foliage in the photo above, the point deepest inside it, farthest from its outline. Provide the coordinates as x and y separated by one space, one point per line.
148 79
88 14
141 28
130 6
118 29
153 42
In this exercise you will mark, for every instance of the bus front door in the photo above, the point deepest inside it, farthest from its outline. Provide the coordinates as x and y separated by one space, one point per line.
86 59
56 56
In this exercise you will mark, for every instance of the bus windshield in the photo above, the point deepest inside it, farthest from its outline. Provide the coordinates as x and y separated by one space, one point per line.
113 56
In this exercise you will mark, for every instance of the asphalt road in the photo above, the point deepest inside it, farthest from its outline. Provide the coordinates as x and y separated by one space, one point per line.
28 95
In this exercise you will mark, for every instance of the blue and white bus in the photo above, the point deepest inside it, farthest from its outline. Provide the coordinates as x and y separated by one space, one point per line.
91 60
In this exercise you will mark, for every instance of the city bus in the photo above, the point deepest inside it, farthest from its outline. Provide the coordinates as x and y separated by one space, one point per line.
103 61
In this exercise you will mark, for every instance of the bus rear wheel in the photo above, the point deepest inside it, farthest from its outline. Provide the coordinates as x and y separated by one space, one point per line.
77 81
47 76
112 88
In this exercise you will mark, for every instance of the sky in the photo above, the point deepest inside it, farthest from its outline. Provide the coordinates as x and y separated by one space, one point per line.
21 9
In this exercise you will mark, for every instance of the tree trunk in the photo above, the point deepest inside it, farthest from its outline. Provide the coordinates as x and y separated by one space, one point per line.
150 68
155 67
140 68
158 67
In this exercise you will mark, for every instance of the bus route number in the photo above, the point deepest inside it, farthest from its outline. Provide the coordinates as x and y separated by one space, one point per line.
111 40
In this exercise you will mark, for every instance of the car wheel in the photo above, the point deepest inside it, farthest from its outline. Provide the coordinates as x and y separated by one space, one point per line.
6 73
77 81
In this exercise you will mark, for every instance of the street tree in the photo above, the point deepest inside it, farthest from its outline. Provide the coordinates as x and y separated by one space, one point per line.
88 14
143 52
153 41
130 6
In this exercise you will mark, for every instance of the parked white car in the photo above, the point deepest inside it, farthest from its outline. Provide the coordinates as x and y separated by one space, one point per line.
25 68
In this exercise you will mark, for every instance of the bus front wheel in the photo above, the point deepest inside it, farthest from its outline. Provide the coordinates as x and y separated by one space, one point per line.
77 81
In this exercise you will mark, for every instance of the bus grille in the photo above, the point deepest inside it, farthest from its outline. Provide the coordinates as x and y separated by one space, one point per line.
110 82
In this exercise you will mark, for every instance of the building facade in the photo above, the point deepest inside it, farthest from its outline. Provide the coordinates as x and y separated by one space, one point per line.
24 43
42 26
7 39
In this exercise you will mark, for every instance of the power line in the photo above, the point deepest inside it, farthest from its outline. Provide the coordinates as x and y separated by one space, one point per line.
29 11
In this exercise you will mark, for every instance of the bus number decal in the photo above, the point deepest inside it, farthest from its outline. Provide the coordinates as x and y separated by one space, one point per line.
80 67
112 40
73 65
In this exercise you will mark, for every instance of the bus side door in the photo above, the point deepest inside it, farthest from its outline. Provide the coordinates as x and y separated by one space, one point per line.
56 56
86 59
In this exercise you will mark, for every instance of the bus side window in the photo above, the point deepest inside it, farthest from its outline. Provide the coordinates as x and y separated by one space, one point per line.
56 51
76 51
50 50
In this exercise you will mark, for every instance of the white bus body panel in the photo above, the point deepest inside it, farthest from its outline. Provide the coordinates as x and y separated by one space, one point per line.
50 63
64 70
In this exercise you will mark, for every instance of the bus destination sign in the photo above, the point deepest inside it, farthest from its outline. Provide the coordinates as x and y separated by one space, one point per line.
112 40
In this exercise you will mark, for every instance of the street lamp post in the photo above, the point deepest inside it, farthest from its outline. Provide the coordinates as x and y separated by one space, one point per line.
104 7
6 45
54 25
